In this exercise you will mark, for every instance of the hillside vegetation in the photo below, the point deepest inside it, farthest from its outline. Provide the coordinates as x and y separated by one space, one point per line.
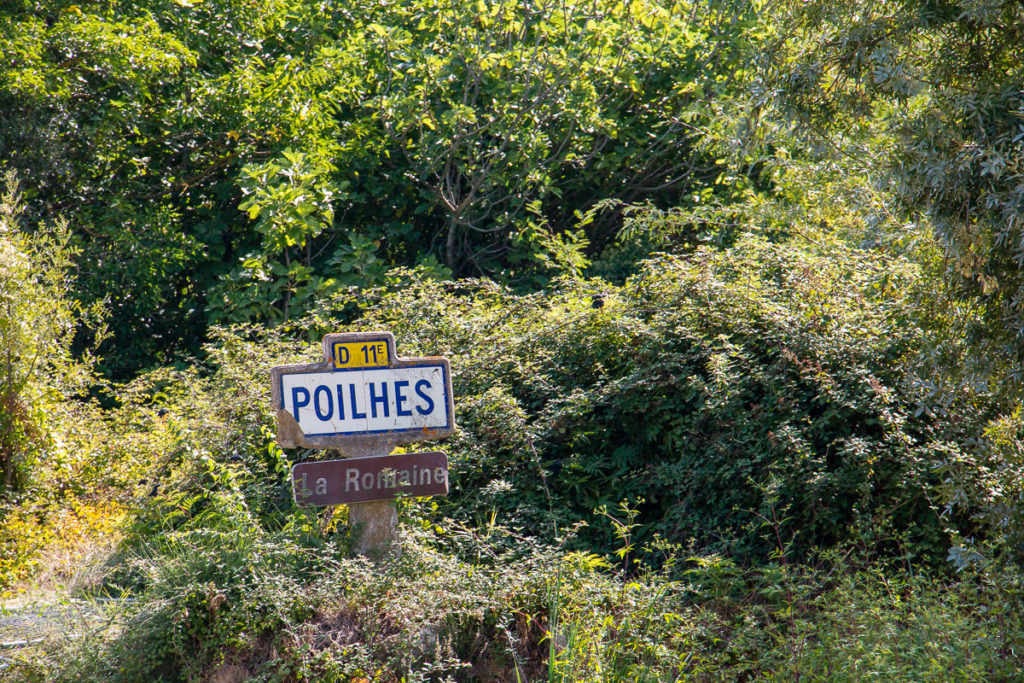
728 291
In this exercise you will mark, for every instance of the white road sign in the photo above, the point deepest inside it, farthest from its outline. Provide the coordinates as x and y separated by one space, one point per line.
363 392
367 401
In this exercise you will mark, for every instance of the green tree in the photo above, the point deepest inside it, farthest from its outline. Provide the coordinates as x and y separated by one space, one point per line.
471 134
507 113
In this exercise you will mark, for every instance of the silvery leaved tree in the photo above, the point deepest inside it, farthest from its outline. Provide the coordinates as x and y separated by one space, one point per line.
927 98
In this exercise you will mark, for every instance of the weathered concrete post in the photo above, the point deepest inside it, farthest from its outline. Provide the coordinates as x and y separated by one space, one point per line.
373 525
374 529
364 400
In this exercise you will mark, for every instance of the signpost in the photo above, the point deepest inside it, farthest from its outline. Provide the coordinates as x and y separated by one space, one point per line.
363 400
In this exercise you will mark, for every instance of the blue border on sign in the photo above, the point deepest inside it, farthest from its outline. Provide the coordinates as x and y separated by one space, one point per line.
446 381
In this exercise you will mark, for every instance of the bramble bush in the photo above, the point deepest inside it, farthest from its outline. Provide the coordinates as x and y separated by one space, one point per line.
765 398
746 401
755 404
762 399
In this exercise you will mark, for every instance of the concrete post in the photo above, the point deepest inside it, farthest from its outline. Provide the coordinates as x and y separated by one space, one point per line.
374 529
373 526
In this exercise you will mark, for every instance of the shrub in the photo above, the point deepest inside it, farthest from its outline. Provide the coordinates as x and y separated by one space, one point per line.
765 398
39 380
743 400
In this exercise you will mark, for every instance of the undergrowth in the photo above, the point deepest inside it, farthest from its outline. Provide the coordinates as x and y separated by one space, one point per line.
291 606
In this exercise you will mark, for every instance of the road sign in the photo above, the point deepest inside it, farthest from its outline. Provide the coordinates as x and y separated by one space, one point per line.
359 480
363 400
363 397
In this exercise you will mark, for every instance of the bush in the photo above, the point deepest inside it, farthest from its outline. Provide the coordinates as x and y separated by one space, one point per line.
743 401
752 404
767 398
41 383
761 399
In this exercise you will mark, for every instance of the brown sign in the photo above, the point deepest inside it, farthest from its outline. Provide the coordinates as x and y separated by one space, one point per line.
360 480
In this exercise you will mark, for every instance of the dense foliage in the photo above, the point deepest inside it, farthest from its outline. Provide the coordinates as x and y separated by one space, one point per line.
570 399
576 397
760 400
236 161
731 293
740 400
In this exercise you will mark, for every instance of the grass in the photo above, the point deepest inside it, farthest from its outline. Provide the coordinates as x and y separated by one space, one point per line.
292 607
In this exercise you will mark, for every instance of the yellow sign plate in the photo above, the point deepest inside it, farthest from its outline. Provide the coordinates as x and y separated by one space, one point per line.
360 354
